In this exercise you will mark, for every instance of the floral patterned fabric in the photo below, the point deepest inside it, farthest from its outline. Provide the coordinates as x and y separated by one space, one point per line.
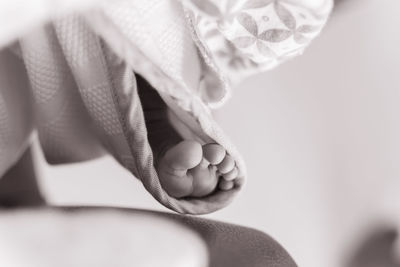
244 37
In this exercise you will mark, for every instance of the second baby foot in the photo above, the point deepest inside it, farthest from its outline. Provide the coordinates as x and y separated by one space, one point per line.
189 169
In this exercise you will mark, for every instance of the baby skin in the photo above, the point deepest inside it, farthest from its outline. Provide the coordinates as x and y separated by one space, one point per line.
185 167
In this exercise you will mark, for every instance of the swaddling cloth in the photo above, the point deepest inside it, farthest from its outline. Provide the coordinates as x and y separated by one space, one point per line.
81 70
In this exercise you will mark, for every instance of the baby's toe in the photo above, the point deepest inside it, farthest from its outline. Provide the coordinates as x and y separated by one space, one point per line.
231 175
227 165
183 156
225 185
213 153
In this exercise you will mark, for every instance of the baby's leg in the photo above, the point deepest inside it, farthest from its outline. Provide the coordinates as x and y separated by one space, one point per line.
185 167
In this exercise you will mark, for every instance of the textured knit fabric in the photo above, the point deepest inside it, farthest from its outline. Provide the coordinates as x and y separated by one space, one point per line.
65 129
81 72
16 110
227 245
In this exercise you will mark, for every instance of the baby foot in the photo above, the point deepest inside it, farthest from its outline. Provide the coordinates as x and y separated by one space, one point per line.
189 169
185 168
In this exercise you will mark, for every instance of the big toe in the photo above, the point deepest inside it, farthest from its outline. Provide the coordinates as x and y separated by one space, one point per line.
214 153
183 156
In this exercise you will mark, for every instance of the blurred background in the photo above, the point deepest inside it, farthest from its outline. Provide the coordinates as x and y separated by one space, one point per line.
320 135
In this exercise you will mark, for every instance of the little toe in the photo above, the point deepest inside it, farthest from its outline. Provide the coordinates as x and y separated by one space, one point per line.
231 175
227 165
225 185
213 153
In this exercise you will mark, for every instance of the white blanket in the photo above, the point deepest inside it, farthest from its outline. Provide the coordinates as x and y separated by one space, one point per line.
81 72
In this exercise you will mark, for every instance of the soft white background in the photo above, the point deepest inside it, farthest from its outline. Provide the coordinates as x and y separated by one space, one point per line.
320 135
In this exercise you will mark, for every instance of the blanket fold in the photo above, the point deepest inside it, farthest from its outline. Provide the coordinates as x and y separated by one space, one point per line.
81 68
